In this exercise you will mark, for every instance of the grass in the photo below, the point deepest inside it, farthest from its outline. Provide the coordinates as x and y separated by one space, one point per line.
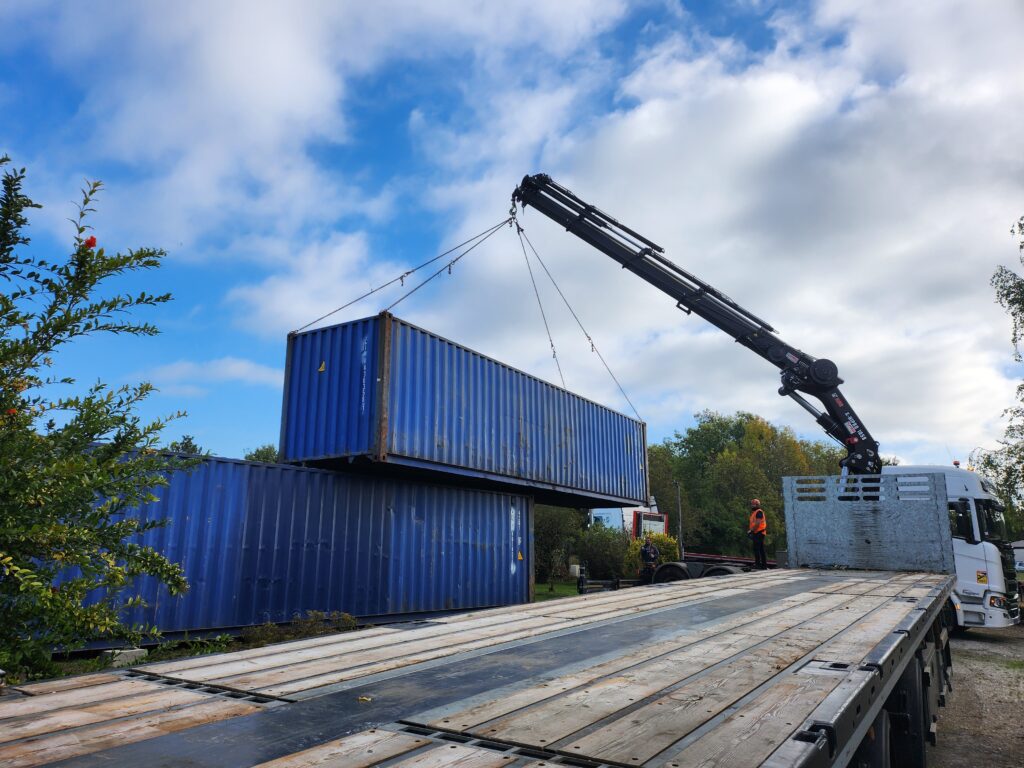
543 592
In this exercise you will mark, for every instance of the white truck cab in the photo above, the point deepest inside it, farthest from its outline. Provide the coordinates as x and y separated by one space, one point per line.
985 593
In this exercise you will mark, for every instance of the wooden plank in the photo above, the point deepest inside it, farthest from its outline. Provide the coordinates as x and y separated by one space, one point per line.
361 750
753 732
510 702
698 587
860 588
561 717
31 705
647 731
855 643
225 665
455 756
287 653
649 604
593 599
825 626
66 683
344 643
324 657
293 681
604 597
821 619
838 586
180 665
62 719
243 674
302 682
898 586
60 746
655 727
286 680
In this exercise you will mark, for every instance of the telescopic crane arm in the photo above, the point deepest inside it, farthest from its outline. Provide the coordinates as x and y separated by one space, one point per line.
801 374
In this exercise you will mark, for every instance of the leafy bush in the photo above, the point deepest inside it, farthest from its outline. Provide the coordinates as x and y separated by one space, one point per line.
554 535
668 552
185 647
603 551
267 453
72 467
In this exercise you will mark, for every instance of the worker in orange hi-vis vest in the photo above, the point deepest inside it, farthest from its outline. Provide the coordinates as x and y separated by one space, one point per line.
757 532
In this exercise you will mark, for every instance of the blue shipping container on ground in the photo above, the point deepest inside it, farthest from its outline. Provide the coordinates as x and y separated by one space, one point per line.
262 542
382 391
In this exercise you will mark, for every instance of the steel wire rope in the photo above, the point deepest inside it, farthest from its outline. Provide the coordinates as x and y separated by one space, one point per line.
543 315
401 278
593 346
451 263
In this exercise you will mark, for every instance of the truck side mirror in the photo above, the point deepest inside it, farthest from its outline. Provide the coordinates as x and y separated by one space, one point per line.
964 521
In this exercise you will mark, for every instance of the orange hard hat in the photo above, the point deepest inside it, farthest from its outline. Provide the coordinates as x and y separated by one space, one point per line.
755 502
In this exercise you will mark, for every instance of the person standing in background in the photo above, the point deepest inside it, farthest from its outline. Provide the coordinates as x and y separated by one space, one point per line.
757 532
649 555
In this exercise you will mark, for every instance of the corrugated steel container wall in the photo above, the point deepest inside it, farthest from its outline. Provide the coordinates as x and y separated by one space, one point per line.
261 542
453 411
332 381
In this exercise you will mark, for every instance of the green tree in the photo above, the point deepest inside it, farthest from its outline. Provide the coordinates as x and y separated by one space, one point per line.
188 446
555 530
1005 464
823 458
267 452
663 473
602 550
724 461
73 466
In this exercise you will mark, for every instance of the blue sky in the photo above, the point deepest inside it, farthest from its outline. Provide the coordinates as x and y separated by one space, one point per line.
847 170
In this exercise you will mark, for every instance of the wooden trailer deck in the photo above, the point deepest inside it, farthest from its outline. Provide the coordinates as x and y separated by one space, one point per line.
776 668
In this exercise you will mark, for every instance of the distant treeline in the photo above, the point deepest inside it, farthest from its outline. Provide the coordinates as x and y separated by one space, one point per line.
720 464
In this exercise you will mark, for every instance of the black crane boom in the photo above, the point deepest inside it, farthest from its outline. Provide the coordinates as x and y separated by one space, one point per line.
800 372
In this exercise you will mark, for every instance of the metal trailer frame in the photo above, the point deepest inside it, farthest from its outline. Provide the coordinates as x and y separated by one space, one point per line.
870 699
894 695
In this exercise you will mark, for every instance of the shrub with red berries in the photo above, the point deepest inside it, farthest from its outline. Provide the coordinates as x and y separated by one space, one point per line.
74 465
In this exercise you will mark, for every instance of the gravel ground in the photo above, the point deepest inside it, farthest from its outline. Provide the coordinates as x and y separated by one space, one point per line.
983 721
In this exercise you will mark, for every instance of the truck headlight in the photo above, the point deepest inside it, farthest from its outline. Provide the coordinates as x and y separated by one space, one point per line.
997 602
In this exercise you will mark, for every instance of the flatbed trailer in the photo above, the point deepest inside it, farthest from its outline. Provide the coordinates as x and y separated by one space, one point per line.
778 668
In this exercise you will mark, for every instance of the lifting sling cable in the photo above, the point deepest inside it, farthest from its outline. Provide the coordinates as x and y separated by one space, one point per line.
453 262
593 346
401 278
544 317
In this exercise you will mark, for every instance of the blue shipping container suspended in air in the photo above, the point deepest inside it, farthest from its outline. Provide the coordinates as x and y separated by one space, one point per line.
381 392
262 542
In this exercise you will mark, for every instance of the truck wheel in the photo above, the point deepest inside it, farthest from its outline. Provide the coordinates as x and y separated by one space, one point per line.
696 569
671 572
722 570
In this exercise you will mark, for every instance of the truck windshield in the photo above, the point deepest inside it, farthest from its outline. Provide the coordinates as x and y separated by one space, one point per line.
990 520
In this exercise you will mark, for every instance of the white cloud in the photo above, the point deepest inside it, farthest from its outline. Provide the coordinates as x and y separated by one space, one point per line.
217 105
855 195
190 378
853 185
320 278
